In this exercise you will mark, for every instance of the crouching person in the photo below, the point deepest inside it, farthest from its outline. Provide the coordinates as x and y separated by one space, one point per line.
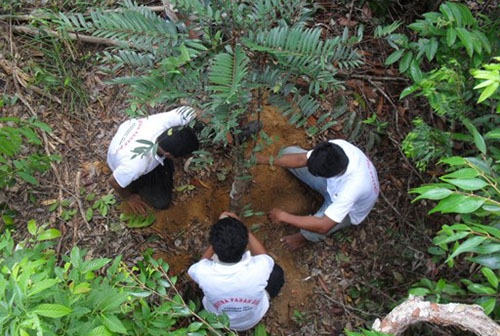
236 281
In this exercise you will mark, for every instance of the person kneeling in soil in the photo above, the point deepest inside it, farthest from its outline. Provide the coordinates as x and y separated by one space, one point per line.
146 181
342 174
235 281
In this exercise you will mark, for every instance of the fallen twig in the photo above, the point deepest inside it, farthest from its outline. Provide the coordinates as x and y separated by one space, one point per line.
71 36
373 78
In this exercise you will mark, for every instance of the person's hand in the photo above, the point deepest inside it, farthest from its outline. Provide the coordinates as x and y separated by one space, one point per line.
137 205
228 214
262 159
275 215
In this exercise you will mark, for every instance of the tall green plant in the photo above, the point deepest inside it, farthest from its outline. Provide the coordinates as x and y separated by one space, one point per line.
245 51
470 189
449 46
80 297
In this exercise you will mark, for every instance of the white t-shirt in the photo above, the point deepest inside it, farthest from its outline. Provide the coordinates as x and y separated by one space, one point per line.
355 192
235 289
125 169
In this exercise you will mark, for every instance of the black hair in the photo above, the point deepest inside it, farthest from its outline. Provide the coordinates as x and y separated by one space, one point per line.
229 239
327 160
178 141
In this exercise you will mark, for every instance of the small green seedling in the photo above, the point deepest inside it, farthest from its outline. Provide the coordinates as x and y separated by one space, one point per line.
137 221
186 187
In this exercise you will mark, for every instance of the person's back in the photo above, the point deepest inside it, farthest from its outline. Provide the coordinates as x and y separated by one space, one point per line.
233 281
235 289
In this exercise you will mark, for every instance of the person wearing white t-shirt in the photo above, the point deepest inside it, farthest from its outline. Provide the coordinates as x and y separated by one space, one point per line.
235 281
145 181
342 174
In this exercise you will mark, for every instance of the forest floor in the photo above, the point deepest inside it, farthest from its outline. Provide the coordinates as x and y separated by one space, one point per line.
347 281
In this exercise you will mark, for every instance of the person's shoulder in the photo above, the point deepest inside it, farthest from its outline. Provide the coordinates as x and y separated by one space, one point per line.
200 266
263 259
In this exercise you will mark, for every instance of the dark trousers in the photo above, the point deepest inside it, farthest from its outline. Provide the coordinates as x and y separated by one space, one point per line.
155 187
276 281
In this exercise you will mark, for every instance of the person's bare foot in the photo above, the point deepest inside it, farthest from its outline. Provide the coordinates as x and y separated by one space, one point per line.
294 242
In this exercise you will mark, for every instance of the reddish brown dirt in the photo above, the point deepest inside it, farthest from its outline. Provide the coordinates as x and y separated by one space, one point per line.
191 216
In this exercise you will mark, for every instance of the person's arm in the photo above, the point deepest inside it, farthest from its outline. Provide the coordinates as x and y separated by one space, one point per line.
297 160
209 253
137 205
310 223
255 246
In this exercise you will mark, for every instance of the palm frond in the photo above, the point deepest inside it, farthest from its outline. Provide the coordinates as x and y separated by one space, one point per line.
298 109
227 74
303 48
158 87
269 78
265 13
138 28
131 58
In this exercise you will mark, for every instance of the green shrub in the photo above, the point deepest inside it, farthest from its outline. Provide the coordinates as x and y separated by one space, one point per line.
17 163
41 296
441 62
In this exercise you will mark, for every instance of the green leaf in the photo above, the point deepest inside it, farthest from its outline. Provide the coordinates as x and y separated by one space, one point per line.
478 139
260 330
490 276
466 246
49 234
89 214
468 183
32 227
448 239
408 91
41 286
405 62
488 305
488 91
82 288
466 38
394 57
481 289
113 323
419 291
458 204
194 326
94 264
490 260
493 134
142 294
451 36
27 177
431 49
52 310
435 194
462 173
454 161
100 331
416 73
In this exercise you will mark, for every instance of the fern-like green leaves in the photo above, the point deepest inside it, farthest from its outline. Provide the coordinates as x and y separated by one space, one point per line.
303 49
136 28
227 74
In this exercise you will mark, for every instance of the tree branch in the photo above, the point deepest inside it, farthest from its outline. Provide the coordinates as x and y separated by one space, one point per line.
71 36
414 310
